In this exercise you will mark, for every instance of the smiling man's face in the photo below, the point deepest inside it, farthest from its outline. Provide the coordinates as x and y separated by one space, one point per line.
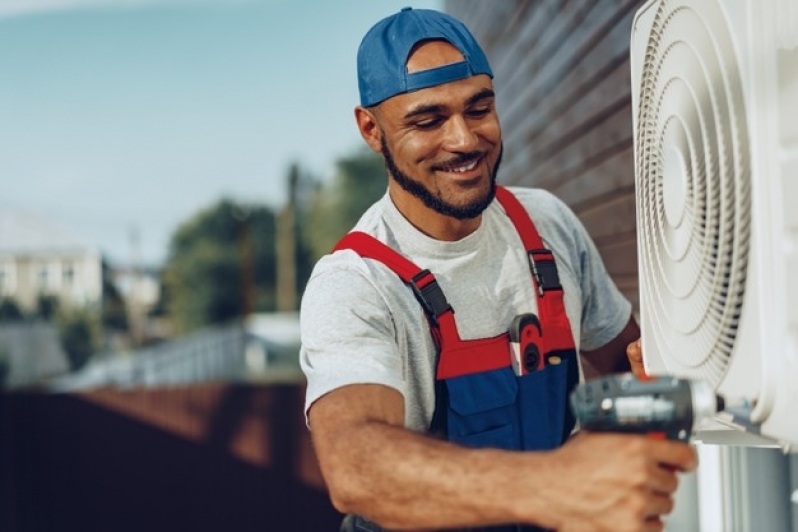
442 145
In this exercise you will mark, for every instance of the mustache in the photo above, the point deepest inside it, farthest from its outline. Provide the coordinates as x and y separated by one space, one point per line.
459 160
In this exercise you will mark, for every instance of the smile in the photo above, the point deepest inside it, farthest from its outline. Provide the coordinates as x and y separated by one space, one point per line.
463 168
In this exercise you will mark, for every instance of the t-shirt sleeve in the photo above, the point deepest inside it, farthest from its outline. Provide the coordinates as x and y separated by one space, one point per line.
605 311
347 330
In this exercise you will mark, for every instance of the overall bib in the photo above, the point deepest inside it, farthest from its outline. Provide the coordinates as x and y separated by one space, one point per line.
483 398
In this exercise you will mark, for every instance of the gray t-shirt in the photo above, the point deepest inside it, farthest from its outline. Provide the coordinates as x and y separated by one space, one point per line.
361 324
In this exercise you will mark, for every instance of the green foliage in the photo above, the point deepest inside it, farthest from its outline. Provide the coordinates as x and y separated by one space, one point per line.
223 260
77 333
203 285
360 180
9 310
219 260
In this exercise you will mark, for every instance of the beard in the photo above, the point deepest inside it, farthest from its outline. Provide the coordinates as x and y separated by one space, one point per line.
468 211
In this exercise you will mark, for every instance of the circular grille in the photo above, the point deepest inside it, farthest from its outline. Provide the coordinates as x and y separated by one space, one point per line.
693 188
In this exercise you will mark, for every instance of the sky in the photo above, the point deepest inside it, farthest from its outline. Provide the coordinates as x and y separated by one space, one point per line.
121 119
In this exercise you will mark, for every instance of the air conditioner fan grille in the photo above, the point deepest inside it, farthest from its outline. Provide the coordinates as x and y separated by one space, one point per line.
693 187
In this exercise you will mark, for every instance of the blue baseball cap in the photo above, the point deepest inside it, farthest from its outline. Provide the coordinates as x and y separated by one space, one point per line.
383 53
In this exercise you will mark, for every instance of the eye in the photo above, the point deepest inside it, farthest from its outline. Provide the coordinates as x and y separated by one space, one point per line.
428 123
479 112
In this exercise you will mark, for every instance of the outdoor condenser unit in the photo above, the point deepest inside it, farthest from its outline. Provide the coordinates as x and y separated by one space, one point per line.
715 102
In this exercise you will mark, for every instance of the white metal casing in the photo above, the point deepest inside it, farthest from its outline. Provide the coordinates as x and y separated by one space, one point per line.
715 93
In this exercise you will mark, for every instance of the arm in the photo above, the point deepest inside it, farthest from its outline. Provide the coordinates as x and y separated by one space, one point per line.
404 480
614 356
603 306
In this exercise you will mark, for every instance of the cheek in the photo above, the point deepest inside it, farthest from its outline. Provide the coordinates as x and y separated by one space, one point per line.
415 149
491 131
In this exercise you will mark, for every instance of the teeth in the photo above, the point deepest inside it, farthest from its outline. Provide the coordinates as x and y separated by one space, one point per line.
465 168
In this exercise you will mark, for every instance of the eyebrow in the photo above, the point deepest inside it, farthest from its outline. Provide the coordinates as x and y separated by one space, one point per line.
423 109
481 95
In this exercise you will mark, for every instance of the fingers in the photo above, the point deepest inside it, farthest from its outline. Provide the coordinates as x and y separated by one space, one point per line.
634 353
653 524
626 481
662 480
675 455
658 506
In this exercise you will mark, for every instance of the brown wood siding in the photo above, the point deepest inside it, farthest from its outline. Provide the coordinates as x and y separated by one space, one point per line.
210 456
562 79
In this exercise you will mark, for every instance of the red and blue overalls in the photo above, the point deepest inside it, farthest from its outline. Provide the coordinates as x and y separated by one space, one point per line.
482 399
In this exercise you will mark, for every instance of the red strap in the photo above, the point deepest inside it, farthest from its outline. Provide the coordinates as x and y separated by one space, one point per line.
520 218
369 247
443 326
458 357
557 332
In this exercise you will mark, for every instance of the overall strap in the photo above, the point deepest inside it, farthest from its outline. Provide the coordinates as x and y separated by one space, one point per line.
423 283
541 260
460 357
549 291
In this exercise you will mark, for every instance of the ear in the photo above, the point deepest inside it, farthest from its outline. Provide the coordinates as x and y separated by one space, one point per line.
369 128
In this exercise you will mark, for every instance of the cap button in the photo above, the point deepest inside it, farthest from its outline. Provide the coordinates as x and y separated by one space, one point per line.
408 8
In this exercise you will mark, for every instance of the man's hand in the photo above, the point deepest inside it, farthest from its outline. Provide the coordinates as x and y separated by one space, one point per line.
402 480
619 483
634 353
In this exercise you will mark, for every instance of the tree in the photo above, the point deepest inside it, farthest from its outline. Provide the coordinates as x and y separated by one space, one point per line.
77 336
46 306
9 310
360 180
221 265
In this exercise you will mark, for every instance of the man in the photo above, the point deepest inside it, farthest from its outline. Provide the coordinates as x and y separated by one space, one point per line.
405 327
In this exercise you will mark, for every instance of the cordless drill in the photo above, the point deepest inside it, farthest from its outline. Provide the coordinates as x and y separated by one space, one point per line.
666 407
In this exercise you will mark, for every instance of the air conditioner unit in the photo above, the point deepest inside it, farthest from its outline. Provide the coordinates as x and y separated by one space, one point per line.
715 102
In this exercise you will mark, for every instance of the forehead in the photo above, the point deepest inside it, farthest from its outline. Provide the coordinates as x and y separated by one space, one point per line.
450 96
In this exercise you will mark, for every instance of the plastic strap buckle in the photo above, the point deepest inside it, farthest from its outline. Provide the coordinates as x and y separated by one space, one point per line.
429 294
545 270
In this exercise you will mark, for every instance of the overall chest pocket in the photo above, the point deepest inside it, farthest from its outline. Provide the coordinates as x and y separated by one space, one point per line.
483 411
546 418
501 410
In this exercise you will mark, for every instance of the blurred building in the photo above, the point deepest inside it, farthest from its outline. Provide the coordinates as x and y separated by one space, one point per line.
40 257
140 288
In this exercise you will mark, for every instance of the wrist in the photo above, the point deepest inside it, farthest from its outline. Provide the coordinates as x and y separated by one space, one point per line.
537 505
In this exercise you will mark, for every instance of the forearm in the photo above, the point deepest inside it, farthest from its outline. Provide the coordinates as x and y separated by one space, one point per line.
404 480
375 467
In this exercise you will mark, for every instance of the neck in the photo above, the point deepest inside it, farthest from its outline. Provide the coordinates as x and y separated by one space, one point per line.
432 223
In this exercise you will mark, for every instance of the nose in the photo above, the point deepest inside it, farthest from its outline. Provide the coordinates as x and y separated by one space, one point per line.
459 135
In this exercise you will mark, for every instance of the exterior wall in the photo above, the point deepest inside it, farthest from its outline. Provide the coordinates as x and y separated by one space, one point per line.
563 89
75 278
562 79
33 353
203 457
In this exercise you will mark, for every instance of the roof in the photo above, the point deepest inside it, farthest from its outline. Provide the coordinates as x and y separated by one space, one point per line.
278 327
29 233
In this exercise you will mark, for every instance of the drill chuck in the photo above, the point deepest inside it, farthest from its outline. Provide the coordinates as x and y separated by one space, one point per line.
669 406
